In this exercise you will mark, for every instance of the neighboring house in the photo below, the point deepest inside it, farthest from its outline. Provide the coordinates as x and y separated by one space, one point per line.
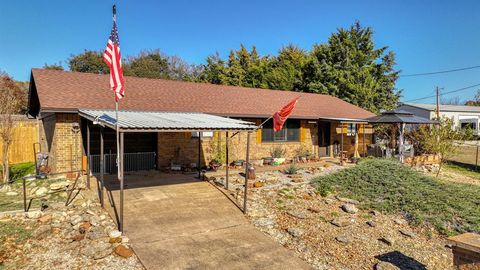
55 97
462 116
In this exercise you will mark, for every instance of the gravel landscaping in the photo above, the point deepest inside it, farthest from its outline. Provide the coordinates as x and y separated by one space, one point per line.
338 232
78 236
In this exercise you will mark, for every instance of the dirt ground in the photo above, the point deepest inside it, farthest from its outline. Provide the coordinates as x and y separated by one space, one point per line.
288 209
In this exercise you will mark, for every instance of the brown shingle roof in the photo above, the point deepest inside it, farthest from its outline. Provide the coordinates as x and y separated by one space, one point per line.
61 90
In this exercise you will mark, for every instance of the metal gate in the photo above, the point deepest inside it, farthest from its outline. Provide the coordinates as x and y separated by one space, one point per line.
141 161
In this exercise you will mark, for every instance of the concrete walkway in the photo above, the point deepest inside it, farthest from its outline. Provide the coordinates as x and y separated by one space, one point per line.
178 222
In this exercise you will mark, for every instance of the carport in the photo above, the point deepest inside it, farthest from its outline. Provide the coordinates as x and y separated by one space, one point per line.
151 121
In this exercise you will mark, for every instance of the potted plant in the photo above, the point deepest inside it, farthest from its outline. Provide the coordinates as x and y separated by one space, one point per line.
278 155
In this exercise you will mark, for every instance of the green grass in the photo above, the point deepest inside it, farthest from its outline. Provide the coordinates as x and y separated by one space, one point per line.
17 171
390 187
465 169
14 229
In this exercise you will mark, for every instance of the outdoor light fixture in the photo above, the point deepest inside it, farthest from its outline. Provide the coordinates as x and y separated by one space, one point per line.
75 127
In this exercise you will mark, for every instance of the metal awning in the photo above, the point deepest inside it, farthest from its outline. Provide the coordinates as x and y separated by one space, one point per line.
399 116
150 121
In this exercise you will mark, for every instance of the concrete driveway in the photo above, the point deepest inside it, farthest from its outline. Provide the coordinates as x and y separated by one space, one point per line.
178 222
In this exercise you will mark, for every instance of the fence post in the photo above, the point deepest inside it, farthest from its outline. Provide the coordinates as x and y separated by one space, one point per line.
476 160
24 195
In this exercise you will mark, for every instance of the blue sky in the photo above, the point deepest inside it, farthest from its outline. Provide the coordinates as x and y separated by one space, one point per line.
425 35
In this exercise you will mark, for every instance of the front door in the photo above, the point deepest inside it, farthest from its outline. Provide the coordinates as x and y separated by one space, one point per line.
324 139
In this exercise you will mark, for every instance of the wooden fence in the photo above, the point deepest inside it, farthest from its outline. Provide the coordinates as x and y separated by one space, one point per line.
25 134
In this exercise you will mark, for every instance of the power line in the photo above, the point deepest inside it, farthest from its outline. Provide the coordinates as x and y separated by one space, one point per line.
439 72
446 93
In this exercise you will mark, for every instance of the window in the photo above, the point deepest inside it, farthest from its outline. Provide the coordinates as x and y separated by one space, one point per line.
289 133
351 129
471 126
205 134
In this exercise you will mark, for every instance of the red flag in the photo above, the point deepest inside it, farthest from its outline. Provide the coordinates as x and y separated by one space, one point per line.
281 116
113 59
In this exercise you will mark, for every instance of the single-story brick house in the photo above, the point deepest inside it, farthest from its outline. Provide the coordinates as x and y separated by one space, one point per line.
55 98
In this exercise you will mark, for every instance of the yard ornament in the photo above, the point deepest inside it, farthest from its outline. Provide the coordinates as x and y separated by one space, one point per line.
281 116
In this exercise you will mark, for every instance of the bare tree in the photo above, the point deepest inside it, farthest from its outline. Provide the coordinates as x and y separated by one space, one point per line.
451 101
11 98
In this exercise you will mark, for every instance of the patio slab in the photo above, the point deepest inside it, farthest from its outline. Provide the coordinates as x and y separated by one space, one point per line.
178 222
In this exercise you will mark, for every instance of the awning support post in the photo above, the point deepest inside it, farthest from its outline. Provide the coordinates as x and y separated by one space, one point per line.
122 142
88 156
364 143
247 161
199 155
226 161
102 168
341 146
400 142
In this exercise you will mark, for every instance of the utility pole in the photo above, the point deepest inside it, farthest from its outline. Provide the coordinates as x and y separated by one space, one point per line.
438 102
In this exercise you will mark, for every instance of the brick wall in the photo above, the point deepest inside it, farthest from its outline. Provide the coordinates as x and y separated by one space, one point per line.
183 148
58 138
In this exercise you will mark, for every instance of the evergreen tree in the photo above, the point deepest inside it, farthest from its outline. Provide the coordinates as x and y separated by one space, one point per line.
351 68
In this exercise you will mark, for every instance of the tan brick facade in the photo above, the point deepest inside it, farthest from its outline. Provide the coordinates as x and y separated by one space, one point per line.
182 148
64 145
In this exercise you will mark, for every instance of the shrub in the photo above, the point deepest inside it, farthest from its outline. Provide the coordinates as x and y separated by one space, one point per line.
292 169
278 152
17 171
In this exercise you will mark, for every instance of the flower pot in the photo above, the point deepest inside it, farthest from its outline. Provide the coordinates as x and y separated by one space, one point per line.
267 160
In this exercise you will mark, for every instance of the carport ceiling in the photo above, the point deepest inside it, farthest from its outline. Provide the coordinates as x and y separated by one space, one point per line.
149 121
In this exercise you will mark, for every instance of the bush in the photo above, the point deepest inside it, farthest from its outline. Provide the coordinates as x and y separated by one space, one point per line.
20 170
391 187
292 169
278 152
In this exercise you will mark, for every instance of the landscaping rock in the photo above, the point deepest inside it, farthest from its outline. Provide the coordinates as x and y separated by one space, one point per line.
385 266
350 208
59 185
297 214
76 219
11 193
344 239
399 221
371 223
34 214
386 240
114 234
45 219
295 232
341 222
328 201
123 251
41 191
407 233
84 227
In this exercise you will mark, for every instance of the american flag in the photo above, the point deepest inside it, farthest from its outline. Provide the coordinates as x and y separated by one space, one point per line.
113 59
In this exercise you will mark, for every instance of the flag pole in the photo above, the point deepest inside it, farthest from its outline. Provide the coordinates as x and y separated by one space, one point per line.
114 11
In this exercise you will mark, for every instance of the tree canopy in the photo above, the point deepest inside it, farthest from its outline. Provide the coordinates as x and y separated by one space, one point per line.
348 66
